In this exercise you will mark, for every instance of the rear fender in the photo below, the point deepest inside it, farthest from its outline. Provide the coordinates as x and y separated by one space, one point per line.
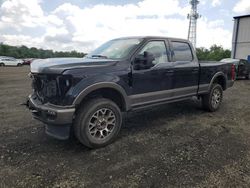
216 76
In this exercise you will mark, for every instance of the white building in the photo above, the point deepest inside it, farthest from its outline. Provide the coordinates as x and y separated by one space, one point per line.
241 37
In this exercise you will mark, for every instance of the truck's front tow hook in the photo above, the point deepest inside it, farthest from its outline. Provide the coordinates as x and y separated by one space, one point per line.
25 104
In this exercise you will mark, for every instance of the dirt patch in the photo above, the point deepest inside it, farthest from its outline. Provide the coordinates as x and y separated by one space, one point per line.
172 145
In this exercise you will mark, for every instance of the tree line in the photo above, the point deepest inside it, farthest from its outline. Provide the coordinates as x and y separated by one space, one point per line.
21 52
214 53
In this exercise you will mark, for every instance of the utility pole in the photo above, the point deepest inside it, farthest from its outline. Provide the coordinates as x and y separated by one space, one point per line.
193 16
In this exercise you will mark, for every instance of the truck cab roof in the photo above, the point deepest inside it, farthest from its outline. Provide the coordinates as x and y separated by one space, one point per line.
152 37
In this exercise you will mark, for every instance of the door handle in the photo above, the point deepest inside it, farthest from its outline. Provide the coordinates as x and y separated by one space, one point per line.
169 71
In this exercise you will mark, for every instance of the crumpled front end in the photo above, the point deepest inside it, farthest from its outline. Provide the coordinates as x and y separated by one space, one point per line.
51 88
46 103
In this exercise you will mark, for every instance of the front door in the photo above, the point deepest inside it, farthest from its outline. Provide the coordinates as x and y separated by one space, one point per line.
151 84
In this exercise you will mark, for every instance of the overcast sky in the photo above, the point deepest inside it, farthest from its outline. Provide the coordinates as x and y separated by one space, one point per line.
84 24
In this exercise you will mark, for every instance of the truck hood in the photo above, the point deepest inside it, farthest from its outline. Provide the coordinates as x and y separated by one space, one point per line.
58 65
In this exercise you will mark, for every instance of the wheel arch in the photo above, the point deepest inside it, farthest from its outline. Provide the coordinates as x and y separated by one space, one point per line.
108 90
220 79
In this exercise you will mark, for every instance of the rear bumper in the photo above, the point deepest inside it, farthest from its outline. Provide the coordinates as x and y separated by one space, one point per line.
58 119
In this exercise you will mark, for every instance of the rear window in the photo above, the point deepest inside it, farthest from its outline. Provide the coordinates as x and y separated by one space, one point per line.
182 51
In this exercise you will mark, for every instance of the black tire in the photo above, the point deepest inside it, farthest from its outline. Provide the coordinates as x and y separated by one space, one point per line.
2 64
212 101
89 115
19 64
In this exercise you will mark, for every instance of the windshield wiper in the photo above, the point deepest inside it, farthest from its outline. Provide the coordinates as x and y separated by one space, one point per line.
100 56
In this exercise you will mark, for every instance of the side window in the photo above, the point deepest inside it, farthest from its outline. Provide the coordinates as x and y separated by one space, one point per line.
182 51
158 50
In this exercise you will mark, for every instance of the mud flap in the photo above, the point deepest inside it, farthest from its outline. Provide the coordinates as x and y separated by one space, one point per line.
61 132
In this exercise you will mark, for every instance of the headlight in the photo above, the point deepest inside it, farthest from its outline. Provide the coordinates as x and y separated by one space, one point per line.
64 83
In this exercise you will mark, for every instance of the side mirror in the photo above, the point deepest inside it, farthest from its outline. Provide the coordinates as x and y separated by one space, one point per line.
144 61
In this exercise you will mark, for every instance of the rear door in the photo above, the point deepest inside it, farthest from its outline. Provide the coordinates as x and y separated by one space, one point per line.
186 69
243 68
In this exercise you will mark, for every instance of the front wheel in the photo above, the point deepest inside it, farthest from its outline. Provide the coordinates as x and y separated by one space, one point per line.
212 101
2 64
97 122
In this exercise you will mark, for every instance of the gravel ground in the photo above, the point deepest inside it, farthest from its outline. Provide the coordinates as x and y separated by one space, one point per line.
169 146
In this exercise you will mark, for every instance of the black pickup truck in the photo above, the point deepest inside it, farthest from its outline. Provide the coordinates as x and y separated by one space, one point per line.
88 95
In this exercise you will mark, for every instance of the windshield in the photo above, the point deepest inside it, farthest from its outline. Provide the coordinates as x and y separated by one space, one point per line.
115 49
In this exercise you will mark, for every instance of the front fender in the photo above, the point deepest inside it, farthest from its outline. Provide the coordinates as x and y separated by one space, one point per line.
88 85
102 85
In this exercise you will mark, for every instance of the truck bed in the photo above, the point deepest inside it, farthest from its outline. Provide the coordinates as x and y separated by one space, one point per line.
208 69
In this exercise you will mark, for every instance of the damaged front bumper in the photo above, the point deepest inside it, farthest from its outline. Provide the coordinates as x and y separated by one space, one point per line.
58 119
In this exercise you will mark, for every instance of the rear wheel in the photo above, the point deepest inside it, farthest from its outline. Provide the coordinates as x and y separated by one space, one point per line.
2 64
97 122
212 101
19 64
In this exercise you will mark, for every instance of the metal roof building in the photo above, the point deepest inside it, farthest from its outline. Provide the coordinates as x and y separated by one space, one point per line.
241 37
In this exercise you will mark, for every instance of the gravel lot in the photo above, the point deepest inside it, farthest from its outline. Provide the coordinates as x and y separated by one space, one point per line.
173 145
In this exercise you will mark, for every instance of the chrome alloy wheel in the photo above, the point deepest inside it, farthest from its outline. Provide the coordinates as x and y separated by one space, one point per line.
102 123
216 98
